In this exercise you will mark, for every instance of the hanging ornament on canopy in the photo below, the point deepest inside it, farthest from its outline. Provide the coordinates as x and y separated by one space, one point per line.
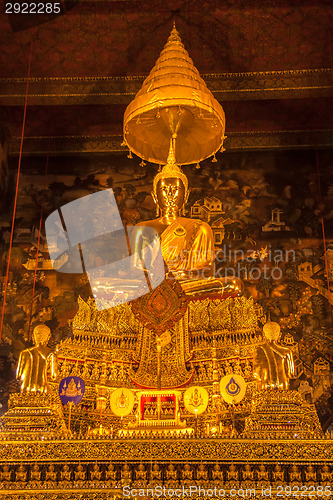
174 101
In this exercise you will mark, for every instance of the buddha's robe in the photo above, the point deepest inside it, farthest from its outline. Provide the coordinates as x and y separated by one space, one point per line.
188 246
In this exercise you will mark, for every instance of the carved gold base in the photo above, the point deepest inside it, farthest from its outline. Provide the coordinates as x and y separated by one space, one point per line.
157 431
281 414
33 413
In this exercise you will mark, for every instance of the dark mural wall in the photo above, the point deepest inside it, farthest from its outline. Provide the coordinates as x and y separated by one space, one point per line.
272 218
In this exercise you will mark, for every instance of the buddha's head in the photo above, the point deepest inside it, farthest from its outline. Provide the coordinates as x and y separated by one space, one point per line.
272 331
170 190
41 335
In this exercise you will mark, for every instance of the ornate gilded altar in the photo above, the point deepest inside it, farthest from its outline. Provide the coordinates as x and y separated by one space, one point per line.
132 428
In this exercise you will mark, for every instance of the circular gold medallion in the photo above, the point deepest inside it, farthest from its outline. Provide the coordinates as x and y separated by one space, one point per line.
122 402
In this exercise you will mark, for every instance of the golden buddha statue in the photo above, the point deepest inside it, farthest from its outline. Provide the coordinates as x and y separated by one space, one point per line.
187 244
247 473
171 475
217 474
310 474
156 475
51 475
95 474
187 473
5 474
202 473
111 475
80 473
232 474
262 474
141 474
126 474
295 475
278 474
273 364
34 362
65 474
35 473
21 474
325 475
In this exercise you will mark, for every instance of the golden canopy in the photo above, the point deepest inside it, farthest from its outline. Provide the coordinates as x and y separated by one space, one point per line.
174 101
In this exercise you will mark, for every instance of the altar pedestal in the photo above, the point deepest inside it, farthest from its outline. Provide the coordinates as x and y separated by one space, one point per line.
32 414
281 414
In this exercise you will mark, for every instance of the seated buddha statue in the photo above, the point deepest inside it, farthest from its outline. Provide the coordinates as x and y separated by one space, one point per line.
310 474
80 473
156 474
202 473
111 475
232 474
247 473
278 474
217 474
95 474
35 473
5 474
141 474
65 474
295 475
51 475
171 475
21 474
187 473
262 474
126 474
187 244
273 364
325 475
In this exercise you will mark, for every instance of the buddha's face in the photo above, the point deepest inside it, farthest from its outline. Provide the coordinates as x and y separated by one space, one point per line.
170 193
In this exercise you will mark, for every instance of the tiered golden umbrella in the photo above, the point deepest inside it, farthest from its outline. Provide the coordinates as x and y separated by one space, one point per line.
174 102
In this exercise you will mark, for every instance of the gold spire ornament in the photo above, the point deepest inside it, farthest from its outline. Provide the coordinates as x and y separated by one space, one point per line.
174 102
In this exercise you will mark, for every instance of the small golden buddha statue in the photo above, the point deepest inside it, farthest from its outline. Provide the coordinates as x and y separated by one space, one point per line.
65 474
95 473
232 473
126 474
247 473
187 473
35 473
273 365
295 475
141 474
21 474
155 474
80 473
51 475
325 475
111 475
171 474
34 362
187 244
5 474
202 473
262 474
278 474
310 474
217 474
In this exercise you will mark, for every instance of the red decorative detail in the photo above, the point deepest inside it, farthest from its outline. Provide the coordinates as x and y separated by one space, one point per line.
160 309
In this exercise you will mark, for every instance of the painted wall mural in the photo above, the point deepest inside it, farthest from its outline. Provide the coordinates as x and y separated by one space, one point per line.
267 210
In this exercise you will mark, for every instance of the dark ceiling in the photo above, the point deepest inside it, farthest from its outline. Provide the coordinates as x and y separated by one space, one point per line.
86 66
